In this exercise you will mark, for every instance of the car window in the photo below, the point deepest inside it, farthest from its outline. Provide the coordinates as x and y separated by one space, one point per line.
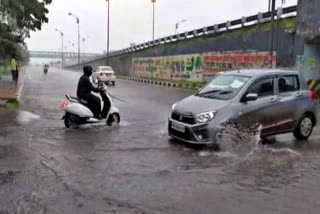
106 69
288 83
263 87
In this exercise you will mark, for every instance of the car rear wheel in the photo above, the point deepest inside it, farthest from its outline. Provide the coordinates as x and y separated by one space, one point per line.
304 128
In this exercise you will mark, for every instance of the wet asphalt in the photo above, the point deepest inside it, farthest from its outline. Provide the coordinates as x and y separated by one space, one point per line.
136 167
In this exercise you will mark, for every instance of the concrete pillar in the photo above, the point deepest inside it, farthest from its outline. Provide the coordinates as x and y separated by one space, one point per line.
308 27
308 19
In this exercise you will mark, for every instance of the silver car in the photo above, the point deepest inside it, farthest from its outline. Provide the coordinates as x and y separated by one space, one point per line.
279 100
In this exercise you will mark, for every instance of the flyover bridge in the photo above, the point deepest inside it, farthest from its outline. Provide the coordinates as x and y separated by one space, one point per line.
57 54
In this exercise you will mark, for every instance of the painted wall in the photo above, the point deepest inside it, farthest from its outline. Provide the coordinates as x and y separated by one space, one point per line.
197 67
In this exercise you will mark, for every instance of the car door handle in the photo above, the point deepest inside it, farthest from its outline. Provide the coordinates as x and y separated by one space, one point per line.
298 95
273 100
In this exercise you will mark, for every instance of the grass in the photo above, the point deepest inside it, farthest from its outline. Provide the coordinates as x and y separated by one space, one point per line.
12 104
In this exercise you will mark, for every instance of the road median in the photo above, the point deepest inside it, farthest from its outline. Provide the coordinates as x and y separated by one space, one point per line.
191 85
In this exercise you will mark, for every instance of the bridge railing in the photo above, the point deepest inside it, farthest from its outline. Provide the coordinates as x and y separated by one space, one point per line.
66 54
217 28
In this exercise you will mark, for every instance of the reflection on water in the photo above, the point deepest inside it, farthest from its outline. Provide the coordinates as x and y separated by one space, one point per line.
26 117
30 204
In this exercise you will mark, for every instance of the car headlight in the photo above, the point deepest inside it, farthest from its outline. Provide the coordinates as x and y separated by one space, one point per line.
205 117
173 106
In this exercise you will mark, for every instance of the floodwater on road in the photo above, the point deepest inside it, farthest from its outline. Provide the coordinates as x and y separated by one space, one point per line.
136 167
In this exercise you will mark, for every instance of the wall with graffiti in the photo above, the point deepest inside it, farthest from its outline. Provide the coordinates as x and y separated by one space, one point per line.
198 66
169 67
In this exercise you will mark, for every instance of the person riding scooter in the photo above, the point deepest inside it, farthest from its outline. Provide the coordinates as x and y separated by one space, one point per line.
45 69
84 90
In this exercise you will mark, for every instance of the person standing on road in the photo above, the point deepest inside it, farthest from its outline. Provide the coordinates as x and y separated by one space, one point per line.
84 90
14 70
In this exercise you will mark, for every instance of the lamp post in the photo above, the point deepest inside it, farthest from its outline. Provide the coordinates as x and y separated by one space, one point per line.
273 8
108 30
62 58
178 23
78 22
72 44
83 44
153 22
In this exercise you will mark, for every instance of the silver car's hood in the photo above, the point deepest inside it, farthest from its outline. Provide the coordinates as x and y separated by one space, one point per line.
194 105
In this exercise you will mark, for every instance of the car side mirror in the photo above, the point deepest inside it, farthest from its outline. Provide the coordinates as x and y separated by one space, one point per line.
251 97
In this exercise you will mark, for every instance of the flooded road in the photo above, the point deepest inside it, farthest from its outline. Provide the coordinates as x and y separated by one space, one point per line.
136 167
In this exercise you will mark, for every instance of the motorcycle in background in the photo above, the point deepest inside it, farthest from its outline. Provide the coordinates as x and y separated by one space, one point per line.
46 69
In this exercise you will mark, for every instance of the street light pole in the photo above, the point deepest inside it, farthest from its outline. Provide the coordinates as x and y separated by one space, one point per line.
78 22
62 57
273 8
153 3
108 32
83 44
178 23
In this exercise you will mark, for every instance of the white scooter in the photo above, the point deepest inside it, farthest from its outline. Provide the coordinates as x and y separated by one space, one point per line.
77 113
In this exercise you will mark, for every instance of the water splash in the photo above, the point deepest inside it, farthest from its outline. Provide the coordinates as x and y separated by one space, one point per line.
245 142
238 140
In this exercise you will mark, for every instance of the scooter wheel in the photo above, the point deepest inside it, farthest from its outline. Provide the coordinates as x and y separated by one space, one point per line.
114 119
70 121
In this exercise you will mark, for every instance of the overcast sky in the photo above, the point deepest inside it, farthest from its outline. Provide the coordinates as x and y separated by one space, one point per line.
131 20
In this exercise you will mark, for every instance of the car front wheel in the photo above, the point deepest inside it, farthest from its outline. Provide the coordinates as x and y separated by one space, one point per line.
304 128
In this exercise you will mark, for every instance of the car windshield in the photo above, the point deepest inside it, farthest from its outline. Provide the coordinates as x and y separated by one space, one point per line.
106 69
223 86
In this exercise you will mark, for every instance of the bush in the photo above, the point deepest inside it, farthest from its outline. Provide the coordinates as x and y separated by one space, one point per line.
4 69
193 85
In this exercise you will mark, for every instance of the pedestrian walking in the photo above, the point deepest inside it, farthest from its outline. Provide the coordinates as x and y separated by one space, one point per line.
18 71
14 69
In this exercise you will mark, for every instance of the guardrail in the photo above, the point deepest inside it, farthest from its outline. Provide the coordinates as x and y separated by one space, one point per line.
218 28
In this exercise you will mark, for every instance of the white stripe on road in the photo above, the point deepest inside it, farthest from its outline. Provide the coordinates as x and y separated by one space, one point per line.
29 75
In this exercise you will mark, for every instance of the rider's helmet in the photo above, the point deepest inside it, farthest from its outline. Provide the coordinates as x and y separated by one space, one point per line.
87 70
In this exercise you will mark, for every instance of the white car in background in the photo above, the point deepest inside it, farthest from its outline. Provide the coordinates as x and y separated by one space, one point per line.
104 74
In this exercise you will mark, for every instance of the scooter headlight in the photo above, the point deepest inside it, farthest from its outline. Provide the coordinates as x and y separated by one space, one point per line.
205 117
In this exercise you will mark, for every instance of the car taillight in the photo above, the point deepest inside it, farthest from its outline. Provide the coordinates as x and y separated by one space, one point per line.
313 95
63 105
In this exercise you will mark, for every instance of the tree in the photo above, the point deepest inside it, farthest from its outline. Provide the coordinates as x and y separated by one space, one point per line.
17 19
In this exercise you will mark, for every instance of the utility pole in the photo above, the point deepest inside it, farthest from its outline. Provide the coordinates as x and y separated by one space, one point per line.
273 8
269 6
